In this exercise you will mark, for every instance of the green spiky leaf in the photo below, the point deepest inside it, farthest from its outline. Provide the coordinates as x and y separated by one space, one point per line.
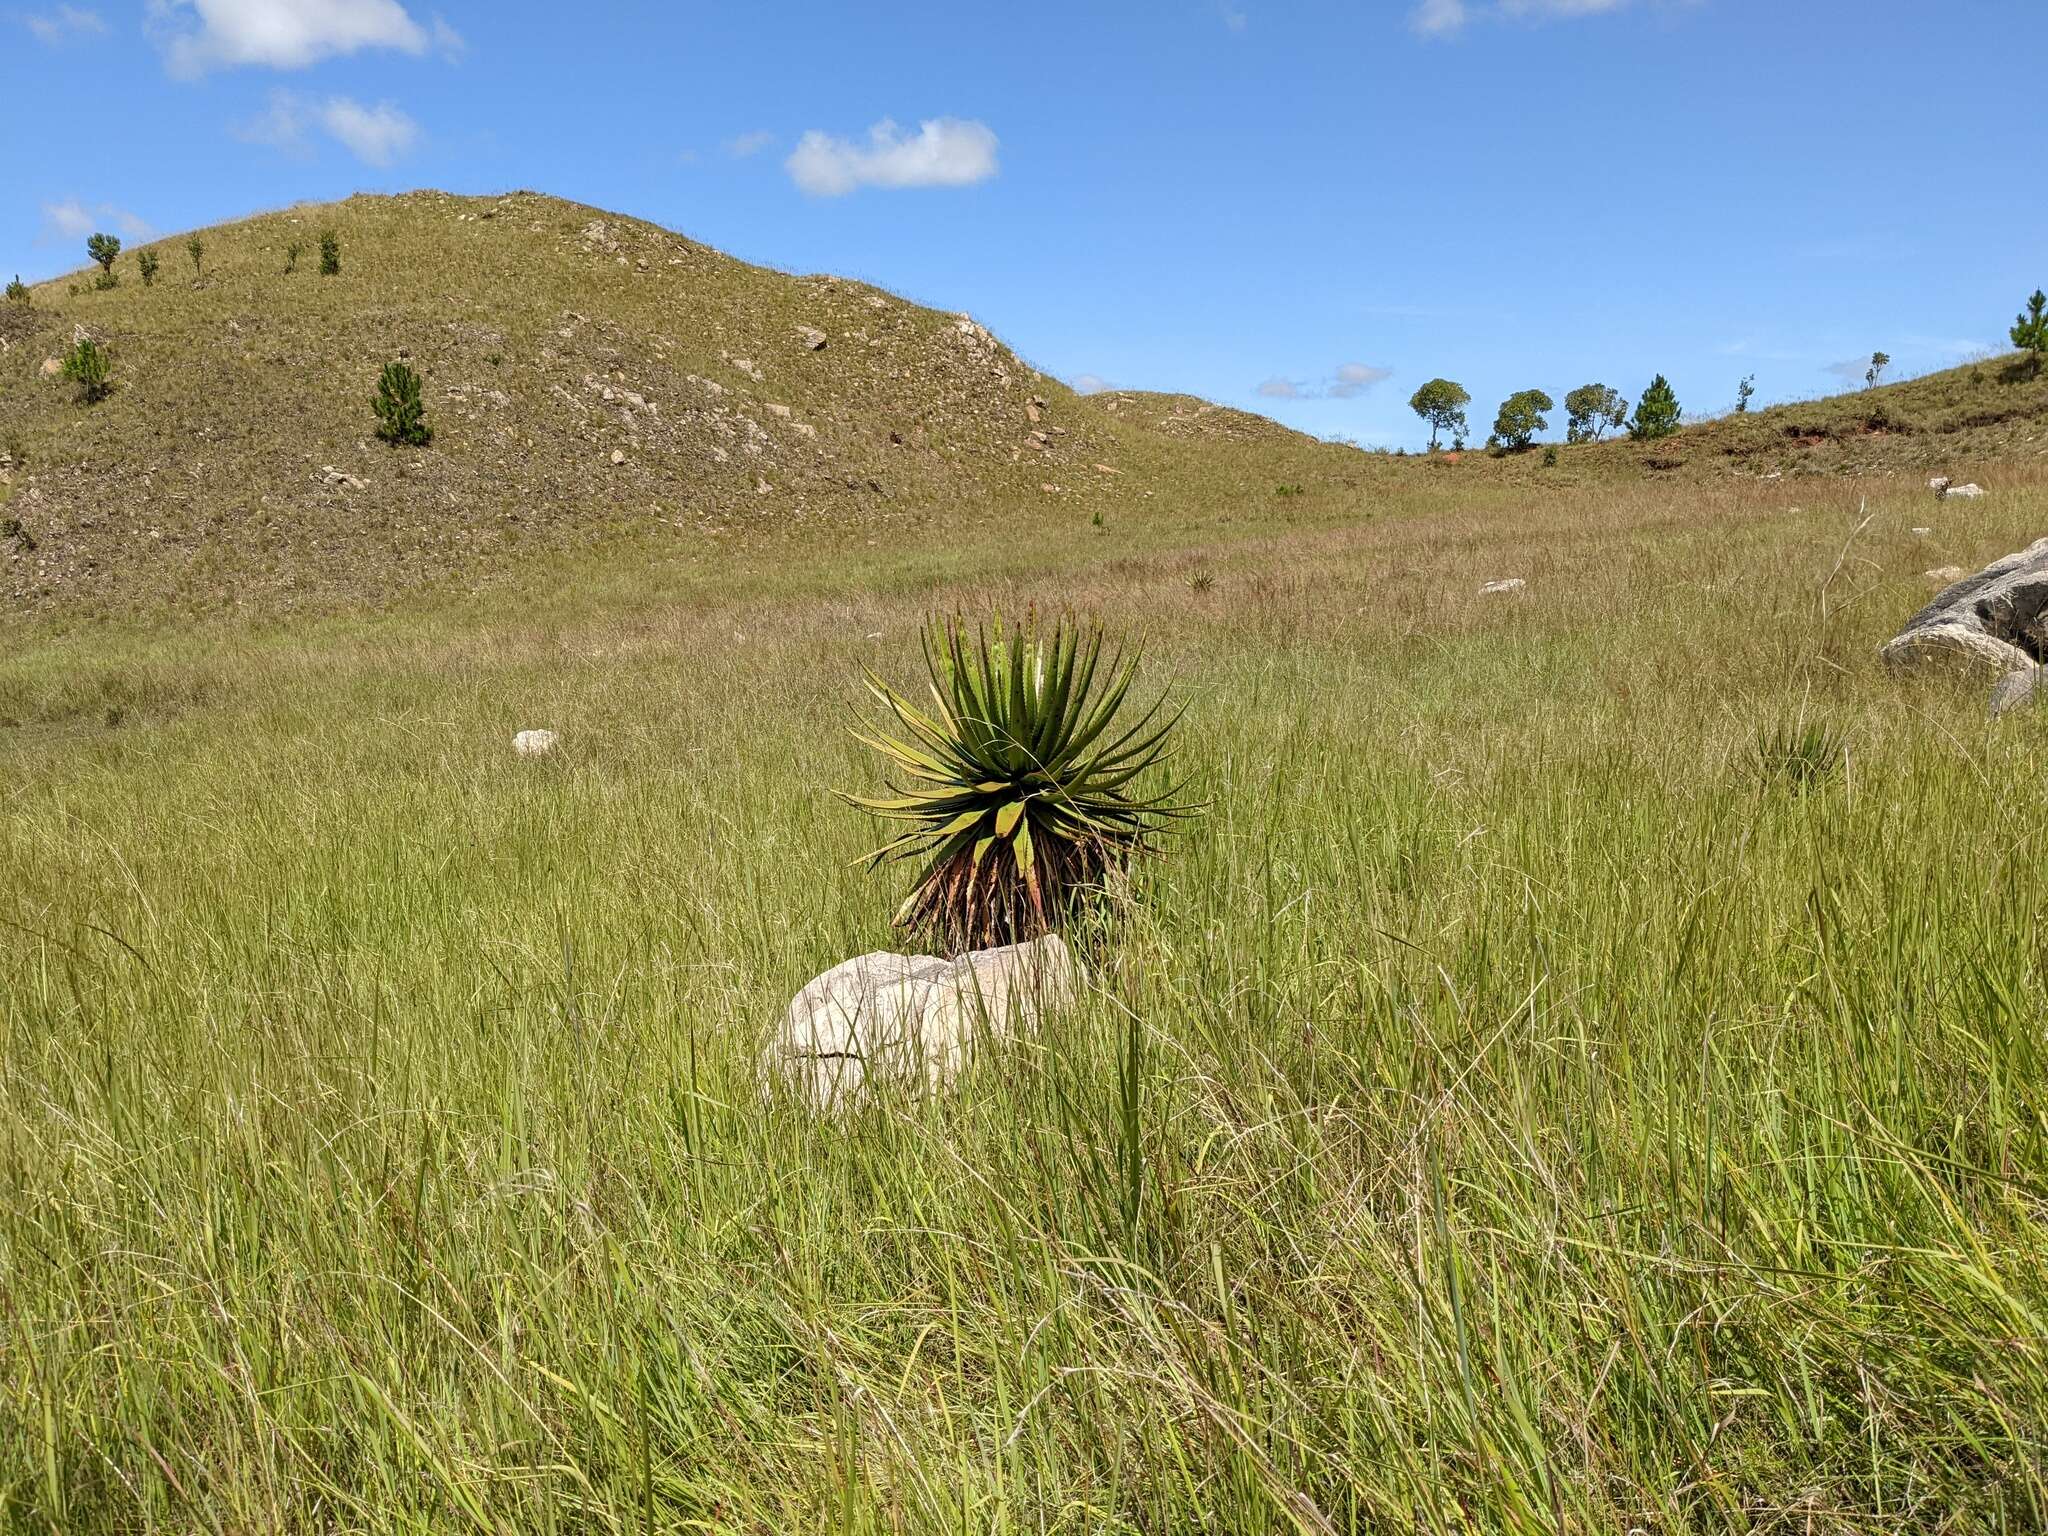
1023 784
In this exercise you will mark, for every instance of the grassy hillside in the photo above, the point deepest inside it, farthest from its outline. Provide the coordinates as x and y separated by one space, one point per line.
1959 420
591 380
606 392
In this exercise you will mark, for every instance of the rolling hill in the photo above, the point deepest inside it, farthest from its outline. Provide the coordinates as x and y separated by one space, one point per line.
588 378
597 383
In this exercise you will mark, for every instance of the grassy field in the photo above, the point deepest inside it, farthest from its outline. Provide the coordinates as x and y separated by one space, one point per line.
1512 1108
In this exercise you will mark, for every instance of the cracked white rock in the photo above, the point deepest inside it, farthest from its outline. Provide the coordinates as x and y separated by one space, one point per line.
913 1020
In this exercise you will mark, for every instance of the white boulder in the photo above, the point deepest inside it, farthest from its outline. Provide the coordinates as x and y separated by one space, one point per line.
535 743
1996 619
911 1018
1962 492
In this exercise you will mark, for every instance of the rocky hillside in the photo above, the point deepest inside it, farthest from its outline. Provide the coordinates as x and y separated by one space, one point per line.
589 379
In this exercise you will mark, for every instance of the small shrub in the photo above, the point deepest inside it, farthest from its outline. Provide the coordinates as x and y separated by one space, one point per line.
1096 520
330 254
103 249
146 264
102 281
195 248
401 415
292 253
17 291
1744 393
1289 490
88 366
495 358
1550 456
1021 787
1201 582
1798 756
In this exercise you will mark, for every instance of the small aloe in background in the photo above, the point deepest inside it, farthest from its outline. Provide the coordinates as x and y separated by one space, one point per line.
1799 756
1021 785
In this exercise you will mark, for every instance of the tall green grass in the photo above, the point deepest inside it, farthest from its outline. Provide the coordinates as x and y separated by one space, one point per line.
1511 1109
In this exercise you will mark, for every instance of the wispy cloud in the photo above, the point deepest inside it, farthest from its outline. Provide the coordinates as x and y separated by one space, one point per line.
944 152
746 145
1439 18
1347 382
1354 379
1234 19
376 135
73 219
201 35
1446 18
65 24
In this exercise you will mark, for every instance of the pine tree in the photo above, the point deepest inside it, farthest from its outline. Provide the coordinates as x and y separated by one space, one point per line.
401 415
1657 413
2030 330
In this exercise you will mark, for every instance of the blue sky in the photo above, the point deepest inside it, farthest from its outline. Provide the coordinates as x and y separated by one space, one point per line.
1304 208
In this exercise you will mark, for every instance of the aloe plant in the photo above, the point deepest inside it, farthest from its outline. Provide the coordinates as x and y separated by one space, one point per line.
1021 788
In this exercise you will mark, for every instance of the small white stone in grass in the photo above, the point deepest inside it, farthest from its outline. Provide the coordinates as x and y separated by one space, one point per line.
1512 584
618 455
535 743
1923 533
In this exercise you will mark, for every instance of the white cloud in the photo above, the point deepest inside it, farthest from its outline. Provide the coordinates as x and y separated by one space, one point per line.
64 24
448 42
1088 383
281 34
375 135
74 220
1348 382
749 144
945 152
